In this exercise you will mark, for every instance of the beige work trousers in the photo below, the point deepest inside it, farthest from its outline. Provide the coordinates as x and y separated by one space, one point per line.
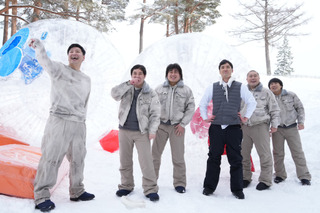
164 133
61 138
127 139
292 136
259 136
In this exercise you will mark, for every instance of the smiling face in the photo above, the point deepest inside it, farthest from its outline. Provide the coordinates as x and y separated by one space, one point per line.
253 79
225 71
173 77
276 88
75 58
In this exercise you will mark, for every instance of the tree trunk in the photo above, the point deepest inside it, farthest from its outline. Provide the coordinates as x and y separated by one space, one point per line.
168 27
78 12
14 20
141 35
65 9
36 12
267 58
176 21
5 24
266 39
141 31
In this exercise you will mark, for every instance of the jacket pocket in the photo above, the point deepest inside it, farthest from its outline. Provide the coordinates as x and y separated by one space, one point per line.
180 100
163 96
288 104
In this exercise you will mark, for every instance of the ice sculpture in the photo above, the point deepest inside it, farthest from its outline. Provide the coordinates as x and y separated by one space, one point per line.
24 93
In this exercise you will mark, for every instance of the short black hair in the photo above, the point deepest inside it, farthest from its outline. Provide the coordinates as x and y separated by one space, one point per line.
275 80
76 45
174 66
225 61
140 67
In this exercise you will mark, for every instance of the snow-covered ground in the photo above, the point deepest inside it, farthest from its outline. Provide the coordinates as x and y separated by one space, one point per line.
102 175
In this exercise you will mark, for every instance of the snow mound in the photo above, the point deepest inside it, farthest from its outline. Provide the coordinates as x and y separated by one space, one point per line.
198 55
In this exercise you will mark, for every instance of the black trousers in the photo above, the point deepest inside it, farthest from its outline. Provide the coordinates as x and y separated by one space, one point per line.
231 137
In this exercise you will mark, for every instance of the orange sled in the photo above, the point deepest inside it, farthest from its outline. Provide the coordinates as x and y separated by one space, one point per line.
18 168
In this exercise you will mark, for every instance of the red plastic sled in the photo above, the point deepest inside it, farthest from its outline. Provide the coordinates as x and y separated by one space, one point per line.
110 142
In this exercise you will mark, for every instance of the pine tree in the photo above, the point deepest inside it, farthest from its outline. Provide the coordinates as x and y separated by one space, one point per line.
284 59
180 16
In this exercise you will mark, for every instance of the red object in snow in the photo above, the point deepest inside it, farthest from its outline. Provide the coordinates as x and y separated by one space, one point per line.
197 125
110 142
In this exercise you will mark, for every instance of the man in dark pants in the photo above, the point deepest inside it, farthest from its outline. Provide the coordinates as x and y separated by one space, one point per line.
226 96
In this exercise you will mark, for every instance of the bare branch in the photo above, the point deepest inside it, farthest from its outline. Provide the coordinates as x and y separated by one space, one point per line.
264 21
18 17
68 14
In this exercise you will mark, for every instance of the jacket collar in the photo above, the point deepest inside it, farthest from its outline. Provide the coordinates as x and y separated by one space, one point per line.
167 84
231 80
284 92
145 88
258 87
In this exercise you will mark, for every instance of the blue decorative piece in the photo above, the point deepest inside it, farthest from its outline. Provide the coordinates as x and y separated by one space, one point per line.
11 53
15 53
44 35
29 66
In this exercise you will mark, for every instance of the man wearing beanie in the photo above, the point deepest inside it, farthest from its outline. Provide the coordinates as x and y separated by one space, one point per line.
264 120
291 120
65 131
177 108
225 129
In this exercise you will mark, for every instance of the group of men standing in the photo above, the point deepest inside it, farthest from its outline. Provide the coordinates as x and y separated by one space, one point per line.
241 116
278 113
263 113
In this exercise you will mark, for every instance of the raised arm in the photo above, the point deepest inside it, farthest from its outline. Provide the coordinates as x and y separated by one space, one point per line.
47 64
